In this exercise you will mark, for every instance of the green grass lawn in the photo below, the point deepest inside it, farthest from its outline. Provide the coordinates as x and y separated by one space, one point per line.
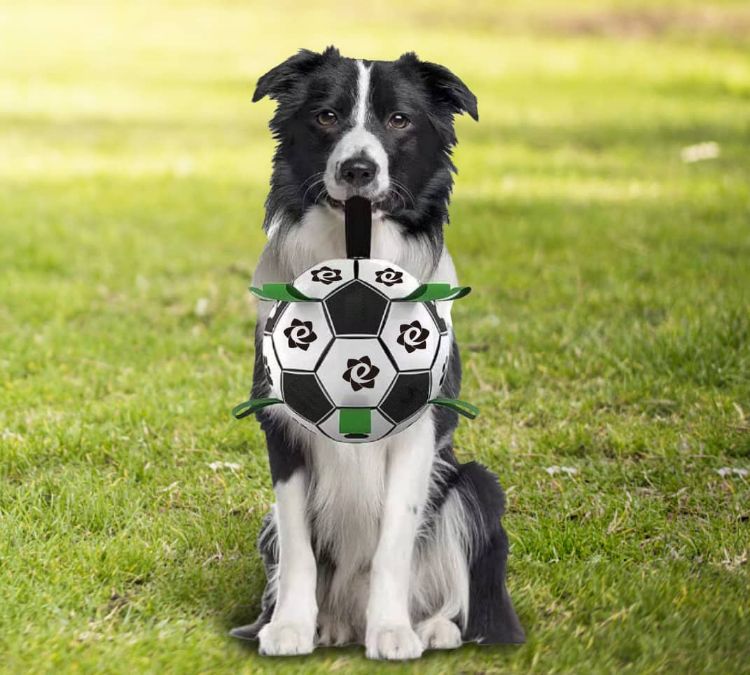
609 330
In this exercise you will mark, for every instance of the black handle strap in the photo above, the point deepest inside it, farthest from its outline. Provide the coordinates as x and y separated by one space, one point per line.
358 219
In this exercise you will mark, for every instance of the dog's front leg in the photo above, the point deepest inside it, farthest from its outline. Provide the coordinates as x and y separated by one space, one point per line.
292 626
389 631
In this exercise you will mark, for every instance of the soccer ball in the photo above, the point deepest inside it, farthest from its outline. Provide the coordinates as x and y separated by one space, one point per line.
353 362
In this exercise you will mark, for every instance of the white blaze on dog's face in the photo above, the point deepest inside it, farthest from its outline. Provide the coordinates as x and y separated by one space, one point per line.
358 164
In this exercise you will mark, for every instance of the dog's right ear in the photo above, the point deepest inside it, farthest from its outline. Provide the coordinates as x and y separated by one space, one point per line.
280 80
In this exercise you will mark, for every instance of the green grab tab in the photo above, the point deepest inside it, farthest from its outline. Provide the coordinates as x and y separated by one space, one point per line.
461 407
435 291
252 406
285 292
355 422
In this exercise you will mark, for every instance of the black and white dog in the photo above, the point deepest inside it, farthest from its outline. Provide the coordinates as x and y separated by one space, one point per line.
393 544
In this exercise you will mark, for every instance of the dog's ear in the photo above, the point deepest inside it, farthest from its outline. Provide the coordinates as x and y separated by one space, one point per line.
280 80
447 89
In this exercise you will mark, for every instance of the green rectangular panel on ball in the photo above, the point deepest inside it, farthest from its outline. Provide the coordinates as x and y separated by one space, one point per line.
355 421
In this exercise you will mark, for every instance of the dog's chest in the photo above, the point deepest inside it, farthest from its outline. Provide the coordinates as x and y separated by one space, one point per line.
320 236
346 498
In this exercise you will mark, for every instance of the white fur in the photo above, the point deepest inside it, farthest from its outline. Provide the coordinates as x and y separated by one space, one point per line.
358 141
292 627
389 632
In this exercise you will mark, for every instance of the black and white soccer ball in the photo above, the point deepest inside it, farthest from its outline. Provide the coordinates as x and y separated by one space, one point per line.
355 348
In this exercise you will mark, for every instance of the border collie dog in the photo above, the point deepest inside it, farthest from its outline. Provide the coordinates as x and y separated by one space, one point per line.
393 544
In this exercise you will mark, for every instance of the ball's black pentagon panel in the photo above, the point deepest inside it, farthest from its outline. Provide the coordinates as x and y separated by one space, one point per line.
356 309
303 394
439 321
273 318
409 393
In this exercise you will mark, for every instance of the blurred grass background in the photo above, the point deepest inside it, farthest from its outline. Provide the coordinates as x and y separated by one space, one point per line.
606 341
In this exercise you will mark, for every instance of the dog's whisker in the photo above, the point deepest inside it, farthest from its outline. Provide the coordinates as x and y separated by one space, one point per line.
313 181
313 177
399 185
310 187
320 194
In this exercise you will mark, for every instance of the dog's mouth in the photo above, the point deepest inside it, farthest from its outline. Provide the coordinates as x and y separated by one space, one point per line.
334 203
338 205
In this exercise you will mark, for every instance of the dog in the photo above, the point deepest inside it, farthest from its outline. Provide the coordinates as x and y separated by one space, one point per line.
394 543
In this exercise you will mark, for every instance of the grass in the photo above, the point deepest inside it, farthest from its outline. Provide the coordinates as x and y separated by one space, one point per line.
609 331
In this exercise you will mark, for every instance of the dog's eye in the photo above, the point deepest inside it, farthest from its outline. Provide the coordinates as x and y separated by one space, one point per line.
326 118
398 121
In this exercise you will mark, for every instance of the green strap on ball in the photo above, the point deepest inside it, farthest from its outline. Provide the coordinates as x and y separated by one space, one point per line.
355 421
284 292
435 291
425 293
253 406
461 407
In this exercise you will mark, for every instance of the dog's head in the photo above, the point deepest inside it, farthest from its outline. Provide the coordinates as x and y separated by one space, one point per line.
379 129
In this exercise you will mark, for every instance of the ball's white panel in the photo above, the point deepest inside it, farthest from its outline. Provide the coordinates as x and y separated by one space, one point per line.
356 372
438 311
302 421
440 365
411 335
301 335
320 280
272 367
388 278
274 315
408 422
380 428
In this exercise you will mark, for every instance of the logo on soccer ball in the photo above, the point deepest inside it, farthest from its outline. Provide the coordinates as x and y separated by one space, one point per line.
326 275
412 336
361 373
389 277
300 334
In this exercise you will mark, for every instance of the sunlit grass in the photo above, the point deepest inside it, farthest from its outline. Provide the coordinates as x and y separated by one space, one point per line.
608 332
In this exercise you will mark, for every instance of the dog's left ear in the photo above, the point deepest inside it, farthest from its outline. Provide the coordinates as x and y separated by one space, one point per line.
281 79
446 87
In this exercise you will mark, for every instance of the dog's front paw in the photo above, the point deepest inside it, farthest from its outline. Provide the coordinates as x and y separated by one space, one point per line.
282 638
439 633
395 643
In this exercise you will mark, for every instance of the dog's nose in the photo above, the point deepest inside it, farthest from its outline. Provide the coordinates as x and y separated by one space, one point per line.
358 171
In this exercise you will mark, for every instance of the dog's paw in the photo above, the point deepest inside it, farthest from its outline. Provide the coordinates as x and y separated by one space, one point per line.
439 633
395 643
333 633
281 638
